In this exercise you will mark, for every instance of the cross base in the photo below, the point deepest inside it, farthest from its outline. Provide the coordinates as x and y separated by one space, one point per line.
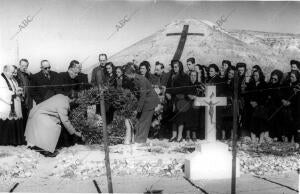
211 160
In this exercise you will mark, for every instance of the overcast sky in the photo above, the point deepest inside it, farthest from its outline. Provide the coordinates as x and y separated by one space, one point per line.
63 30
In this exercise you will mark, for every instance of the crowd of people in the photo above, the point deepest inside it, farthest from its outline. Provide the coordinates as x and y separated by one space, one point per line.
34 107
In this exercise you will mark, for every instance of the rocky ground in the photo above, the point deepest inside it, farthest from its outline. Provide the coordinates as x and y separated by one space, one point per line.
156 159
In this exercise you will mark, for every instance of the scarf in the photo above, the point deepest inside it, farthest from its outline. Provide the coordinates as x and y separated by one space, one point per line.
12 113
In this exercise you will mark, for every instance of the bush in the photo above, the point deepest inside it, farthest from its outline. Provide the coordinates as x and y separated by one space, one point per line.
123 102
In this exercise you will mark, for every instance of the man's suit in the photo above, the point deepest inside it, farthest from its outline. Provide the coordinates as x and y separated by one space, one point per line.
82 81
40 94
67 84
27 102
147 101
98 76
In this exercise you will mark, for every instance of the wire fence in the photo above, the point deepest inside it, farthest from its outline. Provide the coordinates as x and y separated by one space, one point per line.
203 85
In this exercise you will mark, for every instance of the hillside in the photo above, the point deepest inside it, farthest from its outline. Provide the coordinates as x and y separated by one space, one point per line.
270 50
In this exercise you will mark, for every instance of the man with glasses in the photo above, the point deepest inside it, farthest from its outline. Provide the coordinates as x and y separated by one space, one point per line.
42 83
98 76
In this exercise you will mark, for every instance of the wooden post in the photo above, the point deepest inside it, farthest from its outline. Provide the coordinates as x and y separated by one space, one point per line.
298 177
105 138
234 131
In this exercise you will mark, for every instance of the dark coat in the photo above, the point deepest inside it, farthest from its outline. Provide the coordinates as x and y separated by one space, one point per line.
273 96
124 82
274 105
40 94
82 81
162 79
67 84
289 93
178 87
110 80
24 80
98 76
154 80
256 116
178 84
147 97
257 93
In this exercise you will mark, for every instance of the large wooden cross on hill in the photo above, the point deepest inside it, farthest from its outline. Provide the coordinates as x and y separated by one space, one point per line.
183 35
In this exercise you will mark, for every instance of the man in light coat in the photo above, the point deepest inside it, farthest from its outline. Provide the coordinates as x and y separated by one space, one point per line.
44 123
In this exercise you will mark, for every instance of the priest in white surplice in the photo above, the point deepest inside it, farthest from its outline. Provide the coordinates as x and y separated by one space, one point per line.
11 123
44 123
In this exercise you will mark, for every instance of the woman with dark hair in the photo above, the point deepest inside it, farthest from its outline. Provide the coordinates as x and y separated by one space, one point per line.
177 90
205 70
242 69
145 70
244 125
273 102
225 65
294 66
291 103
200 70
255 68
196 114
121 80
227 116
110 74
255 100
109 81
213 74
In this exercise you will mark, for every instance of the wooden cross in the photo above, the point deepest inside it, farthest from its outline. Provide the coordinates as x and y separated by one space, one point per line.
210 101
183 35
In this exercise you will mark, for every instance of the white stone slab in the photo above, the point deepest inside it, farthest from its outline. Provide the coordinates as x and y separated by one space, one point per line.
211 160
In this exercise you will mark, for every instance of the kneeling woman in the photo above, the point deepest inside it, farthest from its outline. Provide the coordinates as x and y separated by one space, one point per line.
44 123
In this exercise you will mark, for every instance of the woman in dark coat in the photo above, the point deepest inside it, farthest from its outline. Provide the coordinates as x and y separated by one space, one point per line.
227 113
255 98
291 103
200 73
110 74
110 77
273 103
177 90
243 120
196 114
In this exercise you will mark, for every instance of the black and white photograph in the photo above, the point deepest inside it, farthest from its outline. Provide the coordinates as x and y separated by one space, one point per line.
150 96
